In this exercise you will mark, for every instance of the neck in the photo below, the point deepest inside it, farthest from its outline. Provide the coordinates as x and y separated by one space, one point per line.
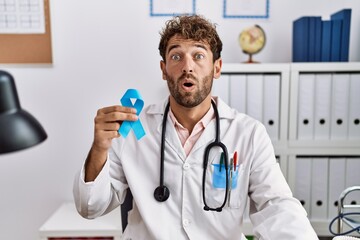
188 117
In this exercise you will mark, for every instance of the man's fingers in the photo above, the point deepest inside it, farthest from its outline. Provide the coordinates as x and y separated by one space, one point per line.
109 126
116 108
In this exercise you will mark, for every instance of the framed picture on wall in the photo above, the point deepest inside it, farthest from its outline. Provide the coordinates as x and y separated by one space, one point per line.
246 8
160 8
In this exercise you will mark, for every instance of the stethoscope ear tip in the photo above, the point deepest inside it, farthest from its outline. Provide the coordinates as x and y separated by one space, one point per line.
161 193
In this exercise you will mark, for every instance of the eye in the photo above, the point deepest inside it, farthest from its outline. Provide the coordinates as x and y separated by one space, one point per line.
199 56
175 57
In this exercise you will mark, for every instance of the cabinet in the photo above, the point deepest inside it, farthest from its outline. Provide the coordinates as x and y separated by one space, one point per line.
65 224
314 125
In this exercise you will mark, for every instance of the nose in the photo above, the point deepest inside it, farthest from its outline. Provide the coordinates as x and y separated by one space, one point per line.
188 65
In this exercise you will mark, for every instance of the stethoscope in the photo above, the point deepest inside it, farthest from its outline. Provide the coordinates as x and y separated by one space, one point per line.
162 192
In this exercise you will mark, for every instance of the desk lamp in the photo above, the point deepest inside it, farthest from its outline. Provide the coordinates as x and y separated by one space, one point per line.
18 128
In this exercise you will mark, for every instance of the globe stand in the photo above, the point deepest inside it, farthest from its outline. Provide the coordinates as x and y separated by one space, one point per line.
250 58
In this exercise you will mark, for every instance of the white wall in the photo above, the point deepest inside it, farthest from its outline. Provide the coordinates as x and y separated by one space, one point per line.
100 49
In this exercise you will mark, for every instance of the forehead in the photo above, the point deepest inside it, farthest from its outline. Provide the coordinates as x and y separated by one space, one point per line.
181 42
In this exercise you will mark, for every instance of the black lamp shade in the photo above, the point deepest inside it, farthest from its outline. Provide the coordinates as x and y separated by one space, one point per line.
18 128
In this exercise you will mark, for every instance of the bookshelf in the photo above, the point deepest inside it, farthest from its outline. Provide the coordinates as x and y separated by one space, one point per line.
289 146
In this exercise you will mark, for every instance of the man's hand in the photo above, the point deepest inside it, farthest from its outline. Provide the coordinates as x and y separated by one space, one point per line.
107 123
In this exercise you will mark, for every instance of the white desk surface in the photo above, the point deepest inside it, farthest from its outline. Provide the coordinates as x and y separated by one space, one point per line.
66 222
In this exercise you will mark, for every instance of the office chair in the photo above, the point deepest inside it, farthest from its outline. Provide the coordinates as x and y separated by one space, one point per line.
126 206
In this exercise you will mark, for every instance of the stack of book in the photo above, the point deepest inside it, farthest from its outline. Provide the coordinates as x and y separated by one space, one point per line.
317 40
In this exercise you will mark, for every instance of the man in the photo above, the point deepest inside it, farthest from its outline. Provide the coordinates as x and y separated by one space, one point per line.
192 202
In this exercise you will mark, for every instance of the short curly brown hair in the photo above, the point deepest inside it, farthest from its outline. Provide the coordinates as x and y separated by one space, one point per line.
193 27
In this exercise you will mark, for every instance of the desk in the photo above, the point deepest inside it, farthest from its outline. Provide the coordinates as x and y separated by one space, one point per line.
66 223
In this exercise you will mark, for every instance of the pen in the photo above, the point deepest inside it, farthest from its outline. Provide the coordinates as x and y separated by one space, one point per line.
230 180
221 161
235 160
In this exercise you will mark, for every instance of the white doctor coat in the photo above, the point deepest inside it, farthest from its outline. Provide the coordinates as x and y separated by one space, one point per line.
275 214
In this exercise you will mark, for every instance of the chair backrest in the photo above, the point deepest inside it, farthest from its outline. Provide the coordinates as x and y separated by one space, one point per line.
125 208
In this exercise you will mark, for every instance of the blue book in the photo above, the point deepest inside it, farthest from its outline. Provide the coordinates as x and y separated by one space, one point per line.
335 40
326 41
345 16
300 47
314 39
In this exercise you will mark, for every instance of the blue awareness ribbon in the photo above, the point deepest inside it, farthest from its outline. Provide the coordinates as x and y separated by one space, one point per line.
126 126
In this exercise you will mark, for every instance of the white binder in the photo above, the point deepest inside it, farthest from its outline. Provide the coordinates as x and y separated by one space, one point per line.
319 189
254 101
306 106
303 182
221 88
340 106
322 106
354 107
238 92
352 178
272 105
336 184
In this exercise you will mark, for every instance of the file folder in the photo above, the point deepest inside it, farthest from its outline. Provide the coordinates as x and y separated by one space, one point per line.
254 101
336 184
319 189
306 106
340 106
354 107
272 105
303 182
221 88
322 106
238 92
352 178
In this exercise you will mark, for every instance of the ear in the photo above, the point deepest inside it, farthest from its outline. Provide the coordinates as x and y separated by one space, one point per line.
163 69
217 68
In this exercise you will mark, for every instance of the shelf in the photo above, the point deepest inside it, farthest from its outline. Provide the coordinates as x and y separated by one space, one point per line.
66 222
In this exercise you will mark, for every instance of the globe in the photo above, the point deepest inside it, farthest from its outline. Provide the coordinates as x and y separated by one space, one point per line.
252 40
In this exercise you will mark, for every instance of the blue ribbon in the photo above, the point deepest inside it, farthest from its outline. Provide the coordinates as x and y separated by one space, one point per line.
126 126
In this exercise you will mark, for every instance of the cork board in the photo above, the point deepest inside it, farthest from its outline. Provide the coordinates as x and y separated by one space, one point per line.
28 48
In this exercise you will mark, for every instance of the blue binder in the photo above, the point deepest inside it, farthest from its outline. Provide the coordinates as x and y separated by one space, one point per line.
326 41
300 45
336 40
345 16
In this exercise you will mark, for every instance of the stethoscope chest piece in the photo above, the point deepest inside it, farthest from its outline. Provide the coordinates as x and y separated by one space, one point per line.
161 193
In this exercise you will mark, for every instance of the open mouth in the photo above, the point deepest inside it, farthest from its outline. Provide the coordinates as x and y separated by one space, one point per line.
188 84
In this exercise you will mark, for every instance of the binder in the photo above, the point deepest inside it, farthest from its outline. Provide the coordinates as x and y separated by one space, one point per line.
221 88
303 182
272 105
300 41
319 189
336 184
322 106
314 38
354 107
339 109
254 101
326 41
238 92
335 40
344 16
352 178
306 106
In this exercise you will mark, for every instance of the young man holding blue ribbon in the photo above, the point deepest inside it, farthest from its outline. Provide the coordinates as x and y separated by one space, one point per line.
209 157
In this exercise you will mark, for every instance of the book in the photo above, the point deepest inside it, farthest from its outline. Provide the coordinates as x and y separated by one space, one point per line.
345 16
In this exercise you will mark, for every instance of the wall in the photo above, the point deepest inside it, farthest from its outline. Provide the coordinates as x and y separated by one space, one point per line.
100 49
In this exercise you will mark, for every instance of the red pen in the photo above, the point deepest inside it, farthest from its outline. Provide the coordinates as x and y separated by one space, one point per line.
235 160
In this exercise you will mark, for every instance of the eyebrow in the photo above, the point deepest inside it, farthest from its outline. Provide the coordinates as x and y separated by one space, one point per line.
198 45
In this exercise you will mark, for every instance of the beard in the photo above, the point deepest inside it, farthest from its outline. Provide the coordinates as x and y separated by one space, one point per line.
190 99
